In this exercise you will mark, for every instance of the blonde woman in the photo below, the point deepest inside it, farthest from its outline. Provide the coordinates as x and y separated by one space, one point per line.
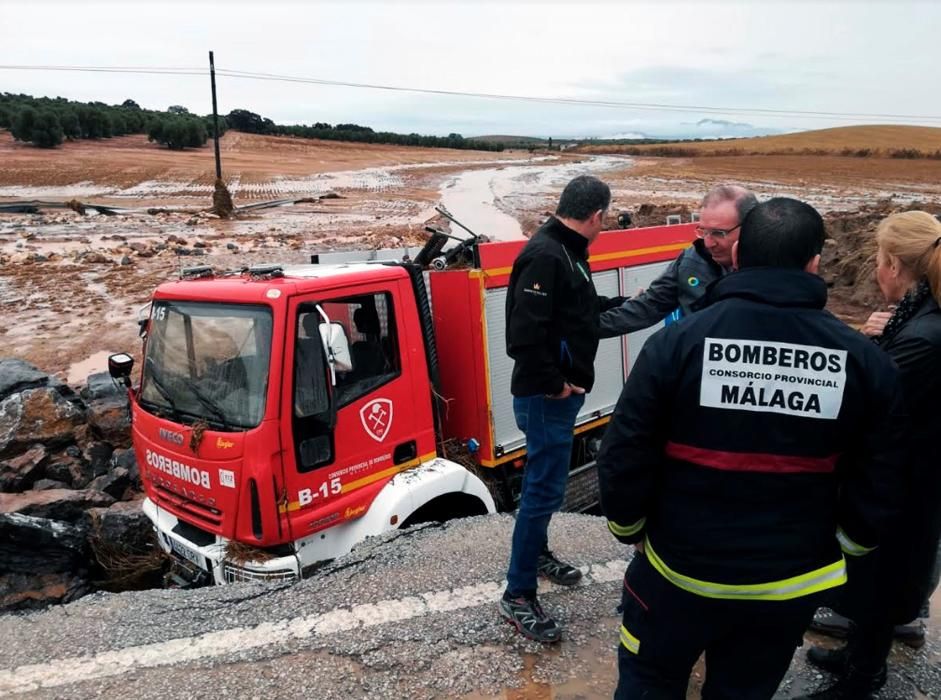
890 588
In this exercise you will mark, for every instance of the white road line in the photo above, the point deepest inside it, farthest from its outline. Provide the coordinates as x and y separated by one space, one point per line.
64 671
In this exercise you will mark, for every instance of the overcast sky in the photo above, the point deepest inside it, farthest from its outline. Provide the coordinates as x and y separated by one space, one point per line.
847 57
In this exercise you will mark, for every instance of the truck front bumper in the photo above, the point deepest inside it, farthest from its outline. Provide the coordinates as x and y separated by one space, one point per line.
208 556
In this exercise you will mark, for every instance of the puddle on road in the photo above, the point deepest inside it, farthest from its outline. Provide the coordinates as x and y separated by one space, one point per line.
570 672
589 671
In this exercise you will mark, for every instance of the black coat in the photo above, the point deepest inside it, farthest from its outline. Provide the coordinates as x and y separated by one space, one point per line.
905 563
749 434
552 313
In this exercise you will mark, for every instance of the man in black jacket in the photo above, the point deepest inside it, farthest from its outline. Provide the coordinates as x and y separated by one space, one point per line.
751 444
551 332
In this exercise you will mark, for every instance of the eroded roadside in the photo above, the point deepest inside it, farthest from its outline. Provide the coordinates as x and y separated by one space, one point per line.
412 614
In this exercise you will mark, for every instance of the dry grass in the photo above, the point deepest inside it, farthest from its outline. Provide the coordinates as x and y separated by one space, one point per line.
241 553
124 568
861 141
802 171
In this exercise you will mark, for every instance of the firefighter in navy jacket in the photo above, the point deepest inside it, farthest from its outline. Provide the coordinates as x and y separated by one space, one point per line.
752 443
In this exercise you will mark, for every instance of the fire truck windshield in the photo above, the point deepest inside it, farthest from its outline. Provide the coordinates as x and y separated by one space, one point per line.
207 362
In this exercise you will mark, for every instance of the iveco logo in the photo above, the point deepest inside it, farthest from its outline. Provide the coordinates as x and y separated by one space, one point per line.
170 436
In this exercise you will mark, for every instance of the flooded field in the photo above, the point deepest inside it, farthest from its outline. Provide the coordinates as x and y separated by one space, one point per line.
71 284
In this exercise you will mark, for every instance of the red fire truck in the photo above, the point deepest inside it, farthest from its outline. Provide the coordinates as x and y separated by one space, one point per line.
285 413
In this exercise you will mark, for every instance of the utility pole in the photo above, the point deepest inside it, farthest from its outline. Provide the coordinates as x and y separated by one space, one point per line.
215 114
221 199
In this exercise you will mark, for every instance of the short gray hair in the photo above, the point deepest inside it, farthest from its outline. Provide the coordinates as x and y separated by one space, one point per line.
745 200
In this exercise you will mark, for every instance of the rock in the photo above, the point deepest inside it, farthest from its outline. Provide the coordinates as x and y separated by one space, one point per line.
231 246
18 473
110 418
22 537
127 459
126 260
180 250
123 526
71 470
115 483
138 247
200 244
17 375
98 456
35 591
100 385
96 258
38 415
193 222
55 504
41 561
47 484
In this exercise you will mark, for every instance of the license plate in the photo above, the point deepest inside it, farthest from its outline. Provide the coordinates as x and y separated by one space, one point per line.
187 553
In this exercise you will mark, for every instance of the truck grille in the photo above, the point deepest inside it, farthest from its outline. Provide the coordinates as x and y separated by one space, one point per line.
236 574
201 513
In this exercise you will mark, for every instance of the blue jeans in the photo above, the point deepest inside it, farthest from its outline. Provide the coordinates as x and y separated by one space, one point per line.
548 426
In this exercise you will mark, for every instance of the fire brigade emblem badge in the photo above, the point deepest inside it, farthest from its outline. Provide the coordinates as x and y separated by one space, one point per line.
377 418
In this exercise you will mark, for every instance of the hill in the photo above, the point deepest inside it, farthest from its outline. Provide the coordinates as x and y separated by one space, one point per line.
861 141
506 139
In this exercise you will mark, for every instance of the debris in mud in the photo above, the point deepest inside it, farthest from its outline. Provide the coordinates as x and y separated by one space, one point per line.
240 553
222 200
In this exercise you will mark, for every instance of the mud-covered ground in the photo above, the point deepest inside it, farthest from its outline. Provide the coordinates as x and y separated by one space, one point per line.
71 284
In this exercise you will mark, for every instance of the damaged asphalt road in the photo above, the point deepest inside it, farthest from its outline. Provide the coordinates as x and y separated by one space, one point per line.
412 615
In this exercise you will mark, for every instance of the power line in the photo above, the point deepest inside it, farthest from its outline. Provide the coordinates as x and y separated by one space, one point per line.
172 70
651 106
611 104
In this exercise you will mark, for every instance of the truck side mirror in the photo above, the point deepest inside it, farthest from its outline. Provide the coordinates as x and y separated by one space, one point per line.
120 366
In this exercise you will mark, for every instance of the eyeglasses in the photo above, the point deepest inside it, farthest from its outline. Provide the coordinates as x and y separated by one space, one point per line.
716 233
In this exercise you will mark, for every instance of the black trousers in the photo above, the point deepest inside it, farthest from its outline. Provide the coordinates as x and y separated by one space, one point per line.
748 644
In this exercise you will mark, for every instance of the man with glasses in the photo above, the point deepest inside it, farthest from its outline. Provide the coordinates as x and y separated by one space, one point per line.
552 314
686 279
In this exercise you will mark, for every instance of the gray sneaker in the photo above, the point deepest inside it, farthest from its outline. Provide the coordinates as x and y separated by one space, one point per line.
530 620
831 623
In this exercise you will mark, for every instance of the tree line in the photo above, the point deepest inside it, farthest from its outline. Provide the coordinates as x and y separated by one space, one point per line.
252 123
47 122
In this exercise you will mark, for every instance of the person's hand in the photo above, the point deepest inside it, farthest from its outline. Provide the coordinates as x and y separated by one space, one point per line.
567 390
876 323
